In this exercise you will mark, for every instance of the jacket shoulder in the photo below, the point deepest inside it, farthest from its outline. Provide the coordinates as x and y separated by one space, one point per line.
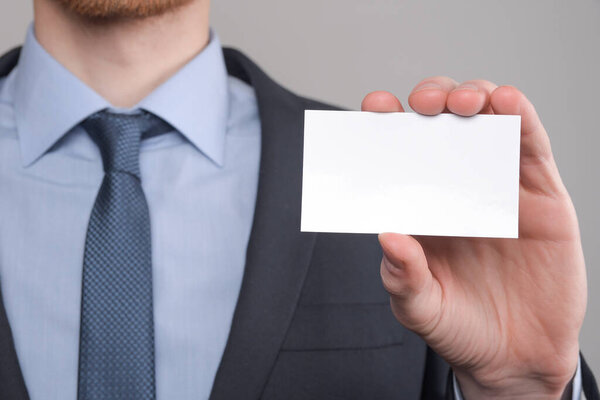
271 94
8 61
312 104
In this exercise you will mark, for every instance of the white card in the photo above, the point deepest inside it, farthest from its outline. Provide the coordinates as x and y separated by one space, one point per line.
407 173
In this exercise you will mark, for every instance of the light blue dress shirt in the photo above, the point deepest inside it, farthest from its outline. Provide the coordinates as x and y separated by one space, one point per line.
200 182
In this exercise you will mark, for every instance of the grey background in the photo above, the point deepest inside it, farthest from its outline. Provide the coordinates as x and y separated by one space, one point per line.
338 50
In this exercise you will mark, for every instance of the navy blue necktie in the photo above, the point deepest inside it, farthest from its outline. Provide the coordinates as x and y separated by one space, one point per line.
116 348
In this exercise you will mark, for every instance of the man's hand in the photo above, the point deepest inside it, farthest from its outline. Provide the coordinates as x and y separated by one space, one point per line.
504 313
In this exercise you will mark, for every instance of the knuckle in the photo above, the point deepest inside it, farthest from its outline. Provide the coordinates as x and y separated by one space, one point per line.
509 91
439 77
483 82
445 82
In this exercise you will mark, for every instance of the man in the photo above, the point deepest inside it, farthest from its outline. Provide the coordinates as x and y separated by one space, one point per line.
150 244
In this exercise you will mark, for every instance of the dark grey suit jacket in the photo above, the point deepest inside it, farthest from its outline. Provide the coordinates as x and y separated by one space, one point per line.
312 320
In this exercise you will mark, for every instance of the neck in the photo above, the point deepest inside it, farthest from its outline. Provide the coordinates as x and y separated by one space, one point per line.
122 60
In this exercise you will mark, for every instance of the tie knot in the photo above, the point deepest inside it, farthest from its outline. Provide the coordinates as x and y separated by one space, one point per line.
118 137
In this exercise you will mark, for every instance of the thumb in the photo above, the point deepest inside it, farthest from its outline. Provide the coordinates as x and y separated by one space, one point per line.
416 296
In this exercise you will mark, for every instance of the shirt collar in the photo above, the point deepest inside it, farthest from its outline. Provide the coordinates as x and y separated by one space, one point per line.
49 100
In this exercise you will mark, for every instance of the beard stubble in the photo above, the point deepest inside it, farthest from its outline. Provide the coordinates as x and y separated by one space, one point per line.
117 9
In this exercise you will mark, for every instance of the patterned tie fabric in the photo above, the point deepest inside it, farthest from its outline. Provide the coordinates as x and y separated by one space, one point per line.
116 348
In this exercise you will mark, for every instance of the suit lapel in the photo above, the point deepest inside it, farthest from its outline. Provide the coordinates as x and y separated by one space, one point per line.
278 254
12 384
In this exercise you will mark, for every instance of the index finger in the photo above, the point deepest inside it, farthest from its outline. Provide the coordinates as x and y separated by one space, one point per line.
381 101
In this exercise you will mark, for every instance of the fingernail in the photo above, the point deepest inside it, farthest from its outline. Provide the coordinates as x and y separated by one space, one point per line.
467 86
428 85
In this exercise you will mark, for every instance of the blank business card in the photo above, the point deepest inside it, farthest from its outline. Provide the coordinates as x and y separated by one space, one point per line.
407 173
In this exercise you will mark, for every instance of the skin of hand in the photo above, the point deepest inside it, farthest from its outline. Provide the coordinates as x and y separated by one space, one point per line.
504 313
